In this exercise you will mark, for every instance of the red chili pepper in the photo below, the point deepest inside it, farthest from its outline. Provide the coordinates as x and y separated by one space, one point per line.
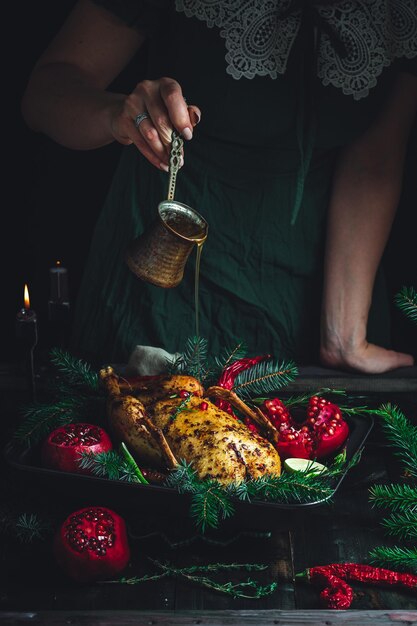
370 574
229 374
336 593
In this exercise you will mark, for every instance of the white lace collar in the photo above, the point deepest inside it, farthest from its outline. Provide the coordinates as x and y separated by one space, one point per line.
258 42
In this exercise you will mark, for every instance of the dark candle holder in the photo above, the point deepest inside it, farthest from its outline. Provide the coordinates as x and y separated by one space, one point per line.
27 339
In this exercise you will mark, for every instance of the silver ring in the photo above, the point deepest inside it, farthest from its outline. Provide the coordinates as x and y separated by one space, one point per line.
140 117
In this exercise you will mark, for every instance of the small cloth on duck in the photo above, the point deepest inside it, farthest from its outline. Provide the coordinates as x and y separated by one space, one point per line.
146 361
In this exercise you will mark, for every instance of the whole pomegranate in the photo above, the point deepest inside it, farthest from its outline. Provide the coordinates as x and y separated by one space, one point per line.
61 450
320 435
92 544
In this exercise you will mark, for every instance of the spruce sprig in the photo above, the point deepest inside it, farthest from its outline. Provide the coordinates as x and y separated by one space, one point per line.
211 501
193 361
395 557
406 300
75 371
399 497
42 418
264 378
228 355
403 525
29 526
210 505
399 431
109 465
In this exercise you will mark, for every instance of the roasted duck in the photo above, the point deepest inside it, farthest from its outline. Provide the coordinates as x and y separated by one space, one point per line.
170 418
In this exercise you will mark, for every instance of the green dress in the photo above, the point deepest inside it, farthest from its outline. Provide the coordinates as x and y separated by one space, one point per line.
259 169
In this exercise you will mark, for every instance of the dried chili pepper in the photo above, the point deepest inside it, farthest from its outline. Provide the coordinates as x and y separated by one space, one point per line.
229 374
370 574
336 593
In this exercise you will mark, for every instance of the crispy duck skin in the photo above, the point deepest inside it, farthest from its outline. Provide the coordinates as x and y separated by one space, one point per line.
150 389
218 445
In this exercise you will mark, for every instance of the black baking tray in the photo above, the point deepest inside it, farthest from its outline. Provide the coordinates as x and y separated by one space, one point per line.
79 490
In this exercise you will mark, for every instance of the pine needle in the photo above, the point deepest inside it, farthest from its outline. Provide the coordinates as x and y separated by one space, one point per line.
403 525
42 418
402 434
209 505
211 501
264 378
29 526
228 355
395 497
395 557
193 361
406 300
76 372
109 465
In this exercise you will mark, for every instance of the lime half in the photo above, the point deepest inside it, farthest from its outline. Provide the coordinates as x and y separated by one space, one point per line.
304 465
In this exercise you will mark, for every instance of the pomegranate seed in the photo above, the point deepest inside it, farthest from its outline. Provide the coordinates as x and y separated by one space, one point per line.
184 393
203 406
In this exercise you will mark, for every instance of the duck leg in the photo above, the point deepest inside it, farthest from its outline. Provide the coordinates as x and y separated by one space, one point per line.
255 414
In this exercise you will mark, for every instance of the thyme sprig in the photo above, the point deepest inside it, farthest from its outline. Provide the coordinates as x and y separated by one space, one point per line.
251 589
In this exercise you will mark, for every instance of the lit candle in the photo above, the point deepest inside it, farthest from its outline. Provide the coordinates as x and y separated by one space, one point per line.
27 337
26 322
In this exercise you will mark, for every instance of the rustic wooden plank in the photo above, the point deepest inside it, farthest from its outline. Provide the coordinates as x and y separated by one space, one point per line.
213 618
273 551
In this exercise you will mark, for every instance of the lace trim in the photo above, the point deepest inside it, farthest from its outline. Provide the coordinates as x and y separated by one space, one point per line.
258 42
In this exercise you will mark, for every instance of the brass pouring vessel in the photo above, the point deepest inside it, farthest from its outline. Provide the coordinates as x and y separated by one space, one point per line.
159 255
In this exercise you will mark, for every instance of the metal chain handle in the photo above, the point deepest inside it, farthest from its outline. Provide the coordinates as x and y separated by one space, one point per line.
174 162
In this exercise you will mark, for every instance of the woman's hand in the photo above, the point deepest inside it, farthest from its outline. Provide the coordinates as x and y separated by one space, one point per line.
163 102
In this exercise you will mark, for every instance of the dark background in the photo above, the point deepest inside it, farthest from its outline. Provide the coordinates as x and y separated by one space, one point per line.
52 195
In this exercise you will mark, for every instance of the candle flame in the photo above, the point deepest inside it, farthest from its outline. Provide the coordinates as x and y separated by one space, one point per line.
26 298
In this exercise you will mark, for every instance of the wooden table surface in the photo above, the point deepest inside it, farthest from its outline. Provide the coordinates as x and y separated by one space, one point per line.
33 590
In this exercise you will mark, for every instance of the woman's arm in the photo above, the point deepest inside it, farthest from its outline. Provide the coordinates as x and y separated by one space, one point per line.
67 97
364 200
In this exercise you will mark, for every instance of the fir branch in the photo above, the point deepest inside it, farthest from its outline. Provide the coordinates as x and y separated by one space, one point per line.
211 501
406 300
108 465
288 489
395 497
403 525
183 478
228 355
193 361
76 372
395 557
210 504
42 418
29 526
402 434
264 377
